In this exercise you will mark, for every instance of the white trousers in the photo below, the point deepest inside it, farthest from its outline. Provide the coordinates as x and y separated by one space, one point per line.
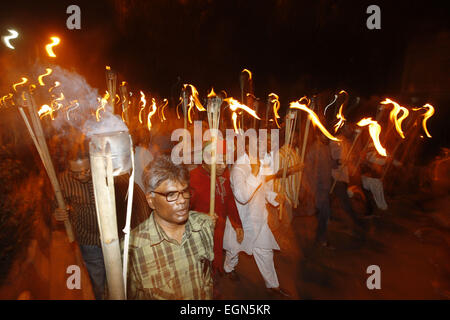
264 261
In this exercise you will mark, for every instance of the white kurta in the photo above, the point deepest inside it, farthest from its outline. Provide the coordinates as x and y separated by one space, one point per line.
251 194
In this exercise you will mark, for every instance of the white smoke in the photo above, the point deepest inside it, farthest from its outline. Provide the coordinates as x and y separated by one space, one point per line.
82 113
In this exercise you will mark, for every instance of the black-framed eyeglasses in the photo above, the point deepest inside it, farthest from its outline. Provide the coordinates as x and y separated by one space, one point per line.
174 195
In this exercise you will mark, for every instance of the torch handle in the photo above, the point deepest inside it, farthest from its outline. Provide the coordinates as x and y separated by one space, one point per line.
212 197
48 162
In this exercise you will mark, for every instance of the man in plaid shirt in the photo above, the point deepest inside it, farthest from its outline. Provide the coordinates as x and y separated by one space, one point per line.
171 252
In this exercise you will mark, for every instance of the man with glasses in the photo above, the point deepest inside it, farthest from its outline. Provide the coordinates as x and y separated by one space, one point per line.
78 191
170 253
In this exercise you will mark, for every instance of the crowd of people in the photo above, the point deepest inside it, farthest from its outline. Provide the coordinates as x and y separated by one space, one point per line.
177 250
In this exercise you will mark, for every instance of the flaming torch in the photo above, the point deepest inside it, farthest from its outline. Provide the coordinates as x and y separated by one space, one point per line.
276 107
234 106
214 103
111 83
340 116
426 116
125 101
41 145
142 104
394 115
150 114
374 130
49 47
47 73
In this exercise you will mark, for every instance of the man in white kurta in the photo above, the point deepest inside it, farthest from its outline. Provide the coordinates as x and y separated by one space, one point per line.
251 194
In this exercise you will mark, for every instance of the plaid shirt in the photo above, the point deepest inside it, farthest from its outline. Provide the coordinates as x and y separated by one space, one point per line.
160 268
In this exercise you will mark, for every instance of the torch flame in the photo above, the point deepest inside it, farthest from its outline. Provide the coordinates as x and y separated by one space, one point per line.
45 110
49 47
150 114
117 99
57 84
56 105
276 107
374 130
103 103
394 115
212 93
142 103
249 74
24 80
162 110
13 35
340 116
313 116
48 72
234 106
426 116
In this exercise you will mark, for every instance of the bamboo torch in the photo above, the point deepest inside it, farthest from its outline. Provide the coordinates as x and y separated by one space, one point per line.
109 155
305 140
290 127
347 157
213 109
111 81
41 145
125 102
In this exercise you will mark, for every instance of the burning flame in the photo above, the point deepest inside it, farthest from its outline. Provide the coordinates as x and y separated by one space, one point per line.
73 105
103 103
13 35
142 104
56 105
49 47
249 74
163 117
150 114
313 116
24 80
108 68
32 87
193 100
394 115
117 99
374 130
212 93
276 107
340 116
57 84
426 116
234 106
178 107
48 72
45 110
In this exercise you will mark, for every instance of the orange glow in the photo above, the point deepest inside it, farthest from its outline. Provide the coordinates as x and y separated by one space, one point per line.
163 117
150 114
276 107
312 116
426 116
142 104
374 130
103 103
234 106
212 93
56 105
49 47
117 99
178 107
340 115
249 74
48 72
57 84
45 110
108 68
24 80
32 87
194 98
394 115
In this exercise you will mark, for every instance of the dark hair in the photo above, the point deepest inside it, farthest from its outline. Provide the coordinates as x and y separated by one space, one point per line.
161 169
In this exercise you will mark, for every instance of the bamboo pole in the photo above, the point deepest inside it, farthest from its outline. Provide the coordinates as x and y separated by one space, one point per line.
103 181
305 140
347 157
299 121
46 159
125 102
111 82
214 104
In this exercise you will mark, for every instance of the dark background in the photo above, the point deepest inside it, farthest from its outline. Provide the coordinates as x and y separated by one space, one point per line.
293 48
